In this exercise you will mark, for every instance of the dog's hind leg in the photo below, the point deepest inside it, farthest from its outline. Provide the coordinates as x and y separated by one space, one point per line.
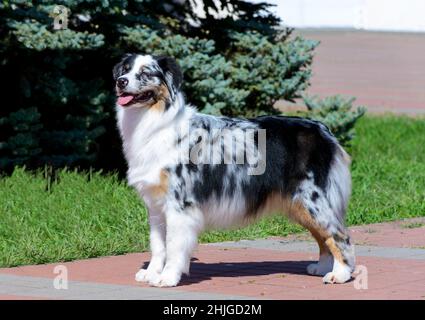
325 263
344 262
321 208
301 215
336 261
183 228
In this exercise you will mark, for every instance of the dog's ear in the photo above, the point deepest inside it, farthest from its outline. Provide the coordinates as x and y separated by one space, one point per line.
169 65
116 71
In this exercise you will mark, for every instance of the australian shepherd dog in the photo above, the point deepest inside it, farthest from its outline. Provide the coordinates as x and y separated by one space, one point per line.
196 171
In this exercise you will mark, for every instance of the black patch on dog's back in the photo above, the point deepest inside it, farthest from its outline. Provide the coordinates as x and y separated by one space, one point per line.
294 147
298 146
296 150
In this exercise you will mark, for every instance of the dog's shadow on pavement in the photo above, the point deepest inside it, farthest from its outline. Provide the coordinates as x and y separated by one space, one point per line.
200 271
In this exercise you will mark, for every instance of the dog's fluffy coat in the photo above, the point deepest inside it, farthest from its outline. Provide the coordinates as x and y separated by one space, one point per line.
306 173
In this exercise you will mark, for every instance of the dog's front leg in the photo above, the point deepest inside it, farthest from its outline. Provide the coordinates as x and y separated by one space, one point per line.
157 244
183 228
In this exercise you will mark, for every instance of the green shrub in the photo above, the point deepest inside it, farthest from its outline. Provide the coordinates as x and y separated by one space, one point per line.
236 65
22 128
245 80
336 112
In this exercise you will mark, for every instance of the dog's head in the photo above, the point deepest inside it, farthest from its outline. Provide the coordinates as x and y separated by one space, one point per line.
146 80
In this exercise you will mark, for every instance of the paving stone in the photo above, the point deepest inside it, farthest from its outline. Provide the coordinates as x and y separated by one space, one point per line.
261 269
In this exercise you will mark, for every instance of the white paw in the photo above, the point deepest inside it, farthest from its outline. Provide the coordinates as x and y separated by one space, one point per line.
322 267
166 279
146 275
141 275
338 276
334 277
340 273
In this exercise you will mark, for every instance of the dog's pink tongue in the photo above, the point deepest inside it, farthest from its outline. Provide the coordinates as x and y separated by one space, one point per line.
123 100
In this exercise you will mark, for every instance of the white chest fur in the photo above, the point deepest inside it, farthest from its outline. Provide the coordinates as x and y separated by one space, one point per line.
149 139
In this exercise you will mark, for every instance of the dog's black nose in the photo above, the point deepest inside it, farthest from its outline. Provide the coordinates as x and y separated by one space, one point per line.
122 83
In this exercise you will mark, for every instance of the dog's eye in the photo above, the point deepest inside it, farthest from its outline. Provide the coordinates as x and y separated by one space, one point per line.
145 73
126 67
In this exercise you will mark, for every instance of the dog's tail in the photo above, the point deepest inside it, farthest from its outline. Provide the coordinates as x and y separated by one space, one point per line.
338 189
338 193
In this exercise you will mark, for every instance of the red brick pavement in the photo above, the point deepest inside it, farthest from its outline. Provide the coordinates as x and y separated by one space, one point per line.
385 71
269 274
399 234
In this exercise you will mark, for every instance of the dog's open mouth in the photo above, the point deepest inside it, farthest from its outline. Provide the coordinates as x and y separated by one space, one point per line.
126 99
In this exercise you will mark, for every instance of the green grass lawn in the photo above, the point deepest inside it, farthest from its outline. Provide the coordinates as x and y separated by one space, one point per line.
92 215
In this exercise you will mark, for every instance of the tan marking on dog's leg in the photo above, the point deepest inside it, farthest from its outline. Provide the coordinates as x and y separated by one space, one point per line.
341 272
304 218
300 214
320 241
161 189
331 261
326 259
297 212
336 252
